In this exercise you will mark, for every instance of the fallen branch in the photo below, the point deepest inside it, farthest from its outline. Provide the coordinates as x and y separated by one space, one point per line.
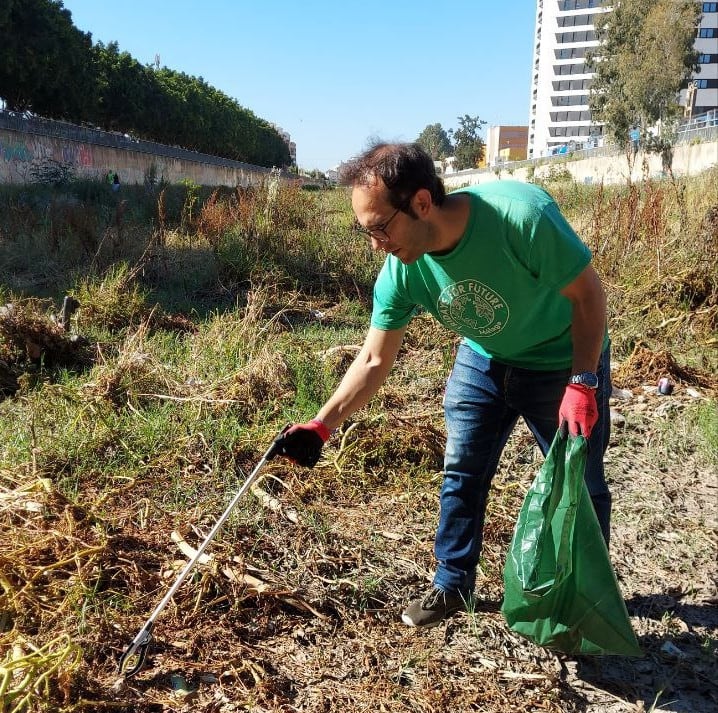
254 584
271 503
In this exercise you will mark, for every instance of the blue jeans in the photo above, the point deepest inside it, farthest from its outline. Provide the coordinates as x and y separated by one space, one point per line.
483 402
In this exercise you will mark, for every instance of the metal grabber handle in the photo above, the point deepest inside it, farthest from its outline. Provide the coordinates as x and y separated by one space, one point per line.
134 657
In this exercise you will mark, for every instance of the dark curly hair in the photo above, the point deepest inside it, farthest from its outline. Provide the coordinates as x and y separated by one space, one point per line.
403 168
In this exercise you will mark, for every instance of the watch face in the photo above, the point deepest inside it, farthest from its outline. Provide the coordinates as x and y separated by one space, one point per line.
586 378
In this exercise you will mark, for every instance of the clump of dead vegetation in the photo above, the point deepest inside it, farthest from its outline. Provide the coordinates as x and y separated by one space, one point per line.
655 245
645 366
33 337
110 479
30 331
51 559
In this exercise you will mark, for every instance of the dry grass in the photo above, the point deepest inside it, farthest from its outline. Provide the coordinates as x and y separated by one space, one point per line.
644 366
298 607
29 331
655 245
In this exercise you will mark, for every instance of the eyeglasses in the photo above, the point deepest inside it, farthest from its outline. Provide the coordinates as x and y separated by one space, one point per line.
378 232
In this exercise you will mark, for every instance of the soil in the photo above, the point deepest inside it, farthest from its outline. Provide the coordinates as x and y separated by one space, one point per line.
299 607
327 635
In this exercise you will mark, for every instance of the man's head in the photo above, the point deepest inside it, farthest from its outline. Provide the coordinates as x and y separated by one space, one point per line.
396 196
402 168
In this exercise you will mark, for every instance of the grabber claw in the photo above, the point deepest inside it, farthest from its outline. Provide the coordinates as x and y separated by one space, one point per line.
134 657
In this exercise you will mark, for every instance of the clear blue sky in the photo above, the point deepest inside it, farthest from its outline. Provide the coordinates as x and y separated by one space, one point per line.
335 73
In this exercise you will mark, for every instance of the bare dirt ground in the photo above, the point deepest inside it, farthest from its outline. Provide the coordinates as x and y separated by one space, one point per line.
299 609
326 634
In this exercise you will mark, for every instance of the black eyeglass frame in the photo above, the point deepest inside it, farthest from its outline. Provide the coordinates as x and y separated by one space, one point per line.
370 232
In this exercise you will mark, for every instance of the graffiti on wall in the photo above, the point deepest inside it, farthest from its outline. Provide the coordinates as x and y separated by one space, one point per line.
24 156
15 151
19 155
77 155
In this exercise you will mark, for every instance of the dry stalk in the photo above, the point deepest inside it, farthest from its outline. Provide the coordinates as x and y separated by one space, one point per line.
26 677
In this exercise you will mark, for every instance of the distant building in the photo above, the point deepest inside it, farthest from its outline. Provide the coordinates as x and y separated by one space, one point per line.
506 143
287 140
560 78
559 113
445 165
703 95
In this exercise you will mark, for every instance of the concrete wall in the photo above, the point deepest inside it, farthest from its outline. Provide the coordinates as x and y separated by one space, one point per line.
29 144
688 159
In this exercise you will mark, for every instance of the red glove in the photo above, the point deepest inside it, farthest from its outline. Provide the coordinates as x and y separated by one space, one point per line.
302 443
579 410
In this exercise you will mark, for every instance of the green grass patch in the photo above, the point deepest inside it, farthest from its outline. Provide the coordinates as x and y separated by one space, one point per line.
210 320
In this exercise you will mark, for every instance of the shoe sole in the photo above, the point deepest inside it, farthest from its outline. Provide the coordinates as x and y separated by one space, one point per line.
408 621
429 625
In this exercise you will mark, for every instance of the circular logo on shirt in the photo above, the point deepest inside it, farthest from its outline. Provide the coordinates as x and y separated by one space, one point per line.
473 309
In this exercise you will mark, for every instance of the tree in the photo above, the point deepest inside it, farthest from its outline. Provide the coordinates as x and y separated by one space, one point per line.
45 61
646 55
435 141
49 66
125 89
468 145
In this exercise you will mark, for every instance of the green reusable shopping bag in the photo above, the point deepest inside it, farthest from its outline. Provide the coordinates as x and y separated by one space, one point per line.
560 588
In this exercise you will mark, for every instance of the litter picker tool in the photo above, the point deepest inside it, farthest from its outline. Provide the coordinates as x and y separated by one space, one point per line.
134 657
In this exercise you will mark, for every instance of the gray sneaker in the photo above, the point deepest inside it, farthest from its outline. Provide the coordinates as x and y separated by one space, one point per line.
436 606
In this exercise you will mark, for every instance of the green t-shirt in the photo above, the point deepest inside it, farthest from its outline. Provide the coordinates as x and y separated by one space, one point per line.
500 286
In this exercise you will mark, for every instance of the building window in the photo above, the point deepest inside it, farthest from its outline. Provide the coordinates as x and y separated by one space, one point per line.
708 32
557 116
566 85
570 100
708 59
710 7
566 5
570 53
571 131
576 36
575 20
562 69
706 83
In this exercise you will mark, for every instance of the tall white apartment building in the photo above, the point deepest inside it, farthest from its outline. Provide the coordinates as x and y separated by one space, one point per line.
561 81
704 93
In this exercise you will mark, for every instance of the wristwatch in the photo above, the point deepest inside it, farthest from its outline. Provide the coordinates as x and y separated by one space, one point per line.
585 378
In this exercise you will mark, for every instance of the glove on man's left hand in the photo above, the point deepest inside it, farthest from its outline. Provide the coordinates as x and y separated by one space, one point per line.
302 443
579 410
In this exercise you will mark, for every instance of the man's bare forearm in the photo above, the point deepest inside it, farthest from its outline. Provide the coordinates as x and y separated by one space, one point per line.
364 377
588 324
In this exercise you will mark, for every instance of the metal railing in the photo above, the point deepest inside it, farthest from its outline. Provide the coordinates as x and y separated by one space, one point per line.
700 121
541 160
703 127
700 128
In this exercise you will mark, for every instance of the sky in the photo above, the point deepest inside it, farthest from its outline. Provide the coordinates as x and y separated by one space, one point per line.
337 74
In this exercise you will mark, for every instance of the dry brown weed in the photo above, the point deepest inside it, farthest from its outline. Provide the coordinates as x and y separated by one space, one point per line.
645 366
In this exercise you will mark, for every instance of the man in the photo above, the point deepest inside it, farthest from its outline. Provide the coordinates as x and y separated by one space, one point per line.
499 265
